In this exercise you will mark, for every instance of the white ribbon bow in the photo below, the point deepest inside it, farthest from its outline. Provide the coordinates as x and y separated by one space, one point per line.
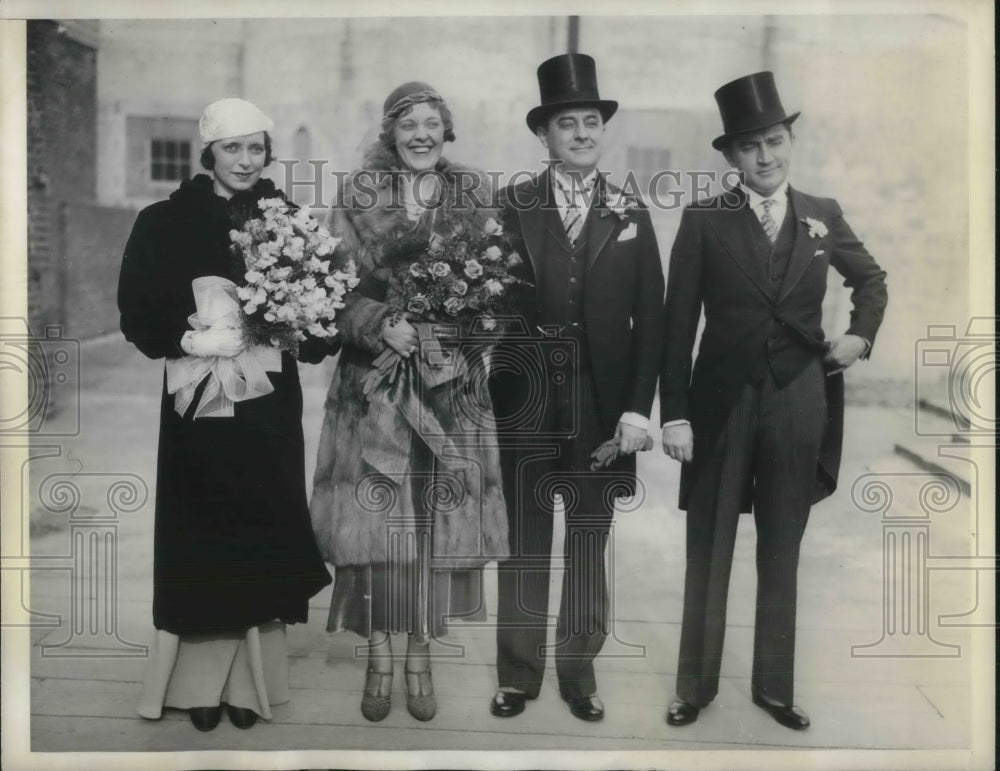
230 380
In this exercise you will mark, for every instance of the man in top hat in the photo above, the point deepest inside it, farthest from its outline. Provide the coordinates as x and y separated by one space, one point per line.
578 370
757 424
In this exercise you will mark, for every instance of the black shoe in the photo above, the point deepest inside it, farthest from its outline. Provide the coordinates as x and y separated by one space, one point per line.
788 715
241 717
587 708
205 718
507 704
681 712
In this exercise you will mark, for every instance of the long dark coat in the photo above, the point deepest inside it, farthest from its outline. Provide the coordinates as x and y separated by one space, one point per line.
747 329
232 546
353 507
622 308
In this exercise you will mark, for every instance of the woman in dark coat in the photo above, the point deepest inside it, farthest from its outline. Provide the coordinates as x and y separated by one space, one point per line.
234 555
408 544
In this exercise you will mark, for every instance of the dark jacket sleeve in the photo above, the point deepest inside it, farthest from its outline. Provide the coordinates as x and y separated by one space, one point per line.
683 311
313 350
647 320
862 275
151 319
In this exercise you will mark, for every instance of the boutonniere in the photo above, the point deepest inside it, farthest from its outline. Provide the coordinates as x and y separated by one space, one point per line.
816 227
620 208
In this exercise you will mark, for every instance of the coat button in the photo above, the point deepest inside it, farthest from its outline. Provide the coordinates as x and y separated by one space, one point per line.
572 280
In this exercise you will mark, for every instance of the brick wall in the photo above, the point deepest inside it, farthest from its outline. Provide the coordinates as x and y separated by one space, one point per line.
62 135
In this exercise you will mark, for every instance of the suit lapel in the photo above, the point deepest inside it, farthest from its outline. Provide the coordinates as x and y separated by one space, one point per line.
803 247
601 225
532 221
732 227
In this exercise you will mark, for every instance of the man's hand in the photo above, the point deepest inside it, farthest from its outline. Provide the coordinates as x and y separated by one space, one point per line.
844 351
678 442
630 439
401 337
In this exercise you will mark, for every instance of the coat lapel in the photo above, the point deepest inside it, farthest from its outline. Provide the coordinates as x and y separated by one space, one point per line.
601 224
803 247
532 221
732 227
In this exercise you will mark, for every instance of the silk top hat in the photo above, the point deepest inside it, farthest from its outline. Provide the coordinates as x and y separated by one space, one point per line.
568 80
750 103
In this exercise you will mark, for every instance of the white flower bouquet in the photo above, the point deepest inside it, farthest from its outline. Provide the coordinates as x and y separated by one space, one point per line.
291 290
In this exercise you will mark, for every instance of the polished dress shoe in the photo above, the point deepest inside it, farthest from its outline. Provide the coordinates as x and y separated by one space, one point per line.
587 708
788 715
507 703
205 718
420 701
681 712
376 699
241 717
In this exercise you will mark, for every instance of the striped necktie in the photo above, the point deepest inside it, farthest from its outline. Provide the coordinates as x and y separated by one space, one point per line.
770 226
573 218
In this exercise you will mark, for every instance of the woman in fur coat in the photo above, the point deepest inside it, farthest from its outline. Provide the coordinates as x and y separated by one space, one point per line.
408 544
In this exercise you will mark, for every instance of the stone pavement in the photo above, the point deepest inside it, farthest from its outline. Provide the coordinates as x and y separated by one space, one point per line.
87 660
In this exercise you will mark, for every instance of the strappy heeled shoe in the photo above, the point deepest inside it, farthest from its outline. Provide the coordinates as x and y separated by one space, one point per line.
377 698
420 699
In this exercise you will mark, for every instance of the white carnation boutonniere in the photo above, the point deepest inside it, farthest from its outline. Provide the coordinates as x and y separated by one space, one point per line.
816 227
621 207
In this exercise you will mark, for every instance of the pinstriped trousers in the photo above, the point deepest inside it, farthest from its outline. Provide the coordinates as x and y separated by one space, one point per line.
770 445
545 467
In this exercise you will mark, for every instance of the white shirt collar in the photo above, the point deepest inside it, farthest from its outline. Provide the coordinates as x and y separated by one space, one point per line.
755 199
568 184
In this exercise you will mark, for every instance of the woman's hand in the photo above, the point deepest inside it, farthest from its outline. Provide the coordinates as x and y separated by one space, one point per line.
223 341
400 335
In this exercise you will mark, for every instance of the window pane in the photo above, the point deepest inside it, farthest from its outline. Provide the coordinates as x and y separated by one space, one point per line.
171 148
158 171
157 148
185 150
185 170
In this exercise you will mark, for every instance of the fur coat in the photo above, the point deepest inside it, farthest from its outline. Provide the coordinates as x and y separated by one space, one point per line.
354 508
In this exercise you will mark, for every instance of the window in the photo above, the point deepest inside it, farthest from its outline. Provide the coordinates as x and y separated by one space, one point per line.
170 160
159 153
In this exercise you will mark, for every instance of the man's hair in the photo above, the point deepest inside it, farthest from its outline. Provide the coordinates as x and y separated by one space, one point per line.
208 157
728 146
543 125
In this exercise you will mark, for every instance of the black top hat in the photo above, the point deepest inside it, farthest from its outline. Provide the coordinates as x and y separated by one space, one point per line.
750 103
566 81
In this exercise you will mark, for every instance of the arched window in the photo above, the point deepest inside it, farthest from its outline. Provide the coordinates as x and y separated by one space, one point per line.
302 145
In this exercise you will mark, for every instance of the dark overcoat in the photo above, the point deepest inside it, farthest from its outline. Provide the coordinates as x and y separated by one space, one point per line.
232 544
748 329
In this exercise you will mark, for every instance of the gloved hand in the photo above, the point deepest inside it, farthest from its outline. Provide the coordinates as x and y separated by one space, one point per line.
223 341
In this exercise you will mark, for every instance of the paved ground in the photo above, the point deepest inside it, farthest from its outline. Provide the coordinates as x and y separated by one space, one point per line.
85 677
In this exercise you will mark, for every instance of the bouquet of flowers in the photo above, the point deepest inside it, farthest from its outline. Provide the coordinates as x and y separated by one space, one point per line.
459 277
291 290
